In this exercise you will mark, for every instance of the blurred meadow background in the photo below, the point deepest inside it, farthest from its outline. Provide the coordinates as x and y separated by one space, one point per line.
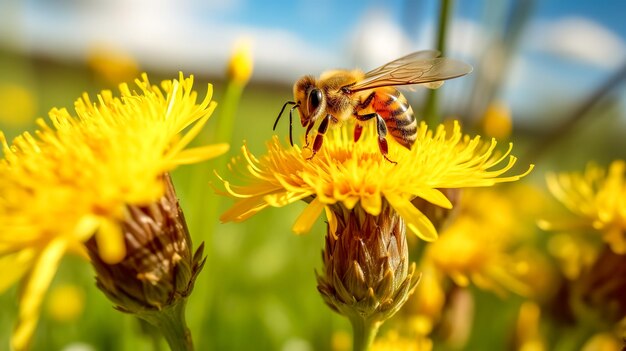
548 77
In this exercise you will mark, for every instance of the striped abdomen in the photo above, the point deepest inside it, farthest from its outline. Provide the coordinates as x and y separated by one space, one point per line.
393 107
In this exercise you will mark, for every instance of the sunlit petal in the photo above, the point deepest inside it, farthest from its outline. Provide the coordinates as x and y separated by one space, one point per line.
308 217
32 295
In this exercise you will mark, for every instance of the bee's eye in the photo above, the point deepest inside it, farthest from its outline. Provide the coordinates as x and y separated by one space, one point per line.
315 98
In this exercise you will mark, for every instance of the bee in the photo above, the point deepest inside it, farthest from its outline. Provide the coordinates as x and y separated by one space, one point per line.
339 95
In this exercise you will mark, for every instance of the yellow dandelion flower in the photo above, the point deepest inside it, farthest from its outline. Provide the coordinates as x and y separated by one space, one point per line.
497 121
348 173
597 198
75 178
240 65
111 64
482 244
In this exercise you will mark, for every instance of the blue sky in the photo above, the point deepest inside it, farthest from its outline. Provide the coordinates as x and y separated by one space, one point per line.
567 48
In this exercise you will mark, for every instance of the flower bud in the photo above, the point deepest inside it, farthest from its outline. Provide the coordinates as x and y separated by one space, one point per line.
241 64
159 268
366 274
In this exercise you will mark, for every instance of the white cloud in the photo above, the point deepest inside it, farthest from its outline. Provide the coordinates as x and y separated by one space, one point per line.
378 39
580 39
163 34
467 38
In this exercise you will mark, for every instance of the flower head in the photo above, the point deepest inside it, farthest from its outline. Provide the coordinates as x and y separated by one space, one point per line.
497 121
160 266
484 243
366 274
597 198
76 177
111 64
349 173
241 65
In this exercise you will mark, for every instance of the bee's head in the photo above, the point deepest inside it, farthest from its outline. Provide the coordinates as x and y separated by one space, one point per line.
310 100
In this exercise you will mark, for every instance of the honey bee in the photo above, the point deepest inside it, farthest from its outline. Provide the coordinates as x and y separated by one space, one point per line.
338 95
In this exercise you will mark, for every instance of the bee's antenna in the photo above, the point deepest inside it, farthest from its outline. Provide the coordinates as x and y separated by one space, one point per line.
281 112
296 105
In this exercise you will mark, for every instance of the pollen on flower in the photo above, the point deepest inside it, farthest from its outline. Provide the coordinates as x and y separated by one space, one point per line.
307 153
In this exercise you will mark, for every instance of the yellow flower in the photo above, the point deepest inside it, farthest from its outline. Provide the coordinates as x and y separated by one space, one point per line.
241 64
597 198
497 121
349 173
75 178
482 244
574 253
111 64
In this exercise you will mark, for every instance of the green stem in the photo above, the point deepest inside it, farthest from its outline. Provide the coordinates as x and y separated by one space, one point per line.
364 333
207 205
431 113
229 105
156 343
170 322
224 133
150 331
227 109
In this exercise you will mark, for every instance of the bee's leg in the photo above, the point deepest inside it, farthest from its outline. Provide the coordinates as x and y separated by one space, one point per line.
306 134
358 130
319 138
381 130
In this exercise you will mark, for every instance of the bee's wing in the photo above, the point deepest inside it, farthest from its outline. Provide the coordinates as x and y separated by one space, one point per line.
416 68
414 56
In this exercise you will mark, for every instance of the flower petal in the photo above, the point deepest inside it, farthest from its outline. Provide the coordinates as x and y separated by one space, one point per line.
198 154
243 209
308 217
34 289
110 241
415 220
372 204
435 197
332 222
14 266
